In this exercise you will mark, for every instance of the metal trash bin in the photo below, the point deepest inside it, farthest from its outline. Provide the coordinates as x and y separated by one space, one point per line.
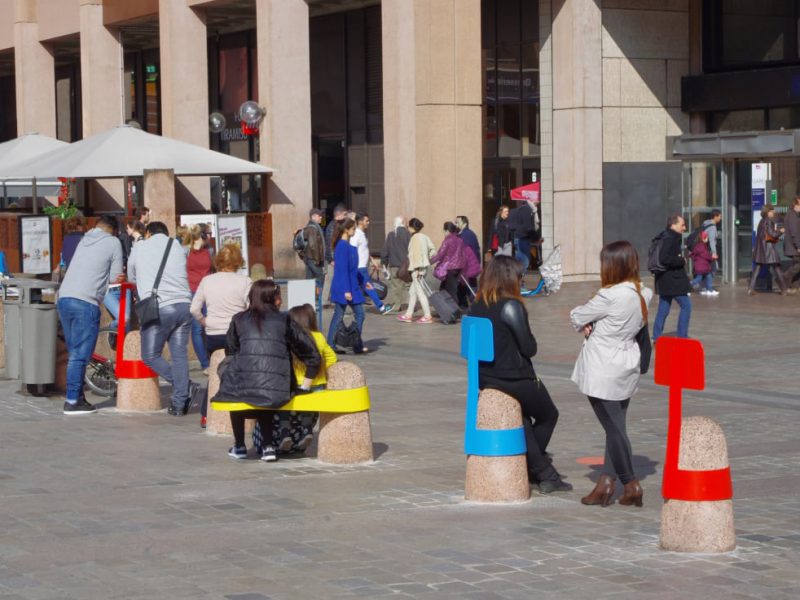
31 327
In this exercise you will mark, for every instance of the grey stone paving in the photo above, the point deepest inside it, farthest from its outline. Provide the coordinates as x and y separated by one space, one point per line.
148 506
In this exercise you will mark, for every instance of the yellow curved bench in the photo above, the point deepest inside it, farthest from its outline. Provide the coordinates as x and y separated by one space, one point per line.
328 401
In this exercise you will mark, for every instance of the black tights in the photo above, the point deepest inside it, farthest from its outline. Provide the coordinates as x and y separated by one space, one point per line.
264 418
619 456
539 415
773 267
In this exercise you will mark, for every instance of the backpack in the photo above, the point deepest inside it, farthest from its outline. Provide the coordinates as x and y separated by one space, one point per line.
299 242
654 264
694 237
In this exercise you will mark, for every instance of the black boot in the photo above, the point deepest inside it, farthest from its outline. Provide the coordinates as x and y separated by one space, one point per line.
550 481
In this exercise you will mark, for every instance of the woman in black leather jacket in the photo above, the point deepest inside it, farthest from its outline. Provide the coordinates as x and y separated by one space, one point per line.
511 371
257 371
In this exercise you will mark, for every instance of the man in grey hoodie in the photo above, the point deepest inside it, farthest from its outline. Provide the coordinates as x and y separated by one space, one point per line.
175 320
96 263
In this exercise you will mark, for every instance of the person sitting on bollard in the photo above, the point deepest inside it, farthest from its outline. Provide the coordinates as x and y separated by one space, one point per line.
223 294
293 431
608 367
257 371
511 371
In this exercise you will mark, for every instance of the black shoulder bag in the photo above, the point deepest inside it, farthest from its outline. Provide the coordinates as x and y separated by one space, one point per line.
643 339
147 308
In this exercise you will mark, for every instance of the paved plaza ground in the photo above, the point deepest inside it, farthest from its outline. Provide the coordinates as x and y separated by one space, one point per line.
150 507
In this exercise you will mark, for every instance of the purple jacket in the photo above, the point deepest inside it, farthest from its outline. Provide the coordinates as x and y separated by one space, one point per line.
701 258
450 256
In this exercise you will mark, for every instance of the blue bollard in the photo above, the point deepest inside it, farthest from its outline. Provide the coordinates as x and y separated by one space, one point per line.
477 344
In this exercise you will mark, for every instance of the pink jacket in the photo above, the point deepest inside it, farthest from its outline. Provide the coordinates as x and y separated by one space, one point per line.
450 256
701 258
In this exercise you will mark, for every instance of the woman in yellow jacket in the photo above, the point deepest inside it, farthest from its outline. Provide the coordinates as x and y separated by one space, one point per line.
293 431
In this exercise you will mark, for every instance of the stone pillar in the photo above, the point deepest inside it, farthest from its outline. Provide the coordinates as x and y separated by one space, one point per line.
699 526
497 478
34 70
184 81
101 92
159 196
137 395
284 89
577 134
432 110
345 438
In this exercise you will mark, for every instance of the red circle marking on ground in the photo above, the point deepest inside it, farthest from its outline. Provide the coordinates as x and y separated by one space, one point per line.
590 460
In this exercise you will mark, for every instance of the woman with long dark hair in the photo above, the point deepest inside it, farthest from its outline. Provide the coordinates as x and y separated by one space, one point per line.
257 371
608 367
765 251
346 284
512 372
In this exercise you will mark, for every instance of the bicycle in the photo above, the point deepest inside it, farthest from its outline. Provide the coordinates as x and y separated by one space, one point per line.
100 377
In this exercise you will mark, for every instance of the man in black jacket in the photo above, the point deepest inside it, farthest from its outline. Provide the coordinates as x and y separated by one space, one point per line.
791 243
673 284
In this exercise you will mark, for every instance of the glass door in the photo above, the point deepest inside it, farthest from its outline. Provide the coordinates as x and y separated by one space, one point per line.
704 190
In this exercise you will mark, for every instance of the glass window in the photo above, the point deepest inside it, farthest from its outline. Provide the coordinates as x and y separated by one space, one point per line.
738 120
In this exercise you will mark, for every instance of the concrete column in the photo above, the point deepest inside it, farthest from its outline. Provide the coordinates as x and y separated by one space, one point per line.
34 71
577 134
101 92
159 196
546 121
184 85
284 89
432 110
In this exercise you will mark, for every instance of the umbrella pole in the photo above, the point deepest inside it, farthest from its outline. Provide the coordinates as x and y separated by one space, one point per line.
35 193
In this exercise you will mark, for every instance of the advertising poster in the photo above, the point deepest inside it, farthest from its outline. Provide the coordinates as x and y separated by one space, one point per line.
208 219
36 246
232 229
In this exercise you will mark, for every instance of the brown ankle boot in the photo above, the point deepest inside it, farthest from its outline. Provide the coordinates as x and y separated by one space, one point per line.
602 492
632 494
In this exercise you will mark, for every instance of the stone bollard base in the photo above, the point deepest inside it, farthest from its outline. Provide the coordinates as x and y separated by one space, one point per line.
137 395
218 422
697 526
497 478
344 439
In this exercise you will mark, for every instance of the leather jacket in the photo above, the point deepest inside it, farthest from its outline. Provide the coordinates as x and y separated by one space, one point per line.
514 343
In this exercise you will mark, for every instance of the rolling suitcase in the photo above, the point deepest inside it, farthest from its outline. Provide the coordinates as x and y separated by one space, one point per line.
444 304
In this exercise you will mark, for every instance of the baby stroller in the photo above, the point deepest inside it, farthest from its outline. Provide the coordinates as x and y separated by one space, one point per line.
551 273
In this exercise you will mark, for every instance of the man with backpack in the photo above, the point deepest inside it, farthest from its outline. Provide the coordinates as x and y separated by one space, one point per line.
309 243
665 260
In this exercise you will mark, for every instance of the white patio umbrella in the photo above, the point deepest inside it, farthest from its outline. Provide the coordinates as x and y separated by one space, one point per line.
126 151
21 149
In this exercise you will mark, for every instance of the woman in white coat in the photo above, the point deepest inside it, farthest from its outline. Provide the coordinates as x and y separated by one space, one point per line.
608 367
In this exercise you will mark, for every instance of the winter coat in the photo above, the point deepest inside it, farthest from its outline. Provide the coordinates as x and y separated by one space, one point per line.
470 241
791 239
450 257
673 281
257 369
395 250
701 258
420 250
764 252
472 264
345 274
609 363
514 344
315 243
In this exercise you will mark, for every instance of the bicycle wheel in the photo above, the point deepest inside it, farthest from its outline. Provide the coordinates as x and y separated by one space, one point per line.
106 345
100 377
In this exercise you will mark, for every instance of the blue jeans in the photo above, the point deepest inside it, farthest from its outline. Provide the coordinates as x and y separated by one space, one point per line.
175 323
664 304
338 314
708 278
111 302
80 321
199 340
522 252
365 279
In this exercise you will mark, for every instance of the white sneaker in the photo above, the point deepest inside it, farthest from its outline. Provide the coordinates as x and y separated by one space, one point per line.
712 293
705 293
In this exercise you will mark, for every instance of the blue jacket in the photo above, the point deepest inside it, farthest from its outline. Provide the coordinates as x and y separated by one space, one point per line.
471 241
345 274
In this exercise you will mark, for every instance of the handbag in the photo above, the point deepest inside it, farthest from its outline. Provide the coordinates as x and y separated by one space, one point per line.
380 288
643 339
147 308
348 335
403 272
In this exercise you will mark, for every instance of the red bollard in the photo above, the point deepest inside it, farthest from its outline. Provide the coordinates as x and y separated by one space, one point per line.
128 369
698 508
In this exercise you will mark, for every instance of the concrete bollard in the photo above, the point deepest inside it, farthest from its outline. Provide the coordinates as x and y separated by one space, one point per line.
141 394
218 422
705 525
345 438
497 478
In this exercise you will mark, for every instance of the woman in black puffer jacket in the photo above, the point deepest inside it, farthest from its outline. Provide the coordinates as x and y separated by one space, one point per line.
257 371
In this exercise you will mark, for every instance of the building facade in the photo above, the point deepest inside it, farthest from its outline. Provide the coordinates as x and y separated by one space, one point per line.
430 108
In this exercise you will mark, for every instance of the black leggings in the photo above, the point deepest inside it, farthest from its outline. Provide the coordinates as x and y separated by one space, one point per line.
213 343
619 456
539 415
264 418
